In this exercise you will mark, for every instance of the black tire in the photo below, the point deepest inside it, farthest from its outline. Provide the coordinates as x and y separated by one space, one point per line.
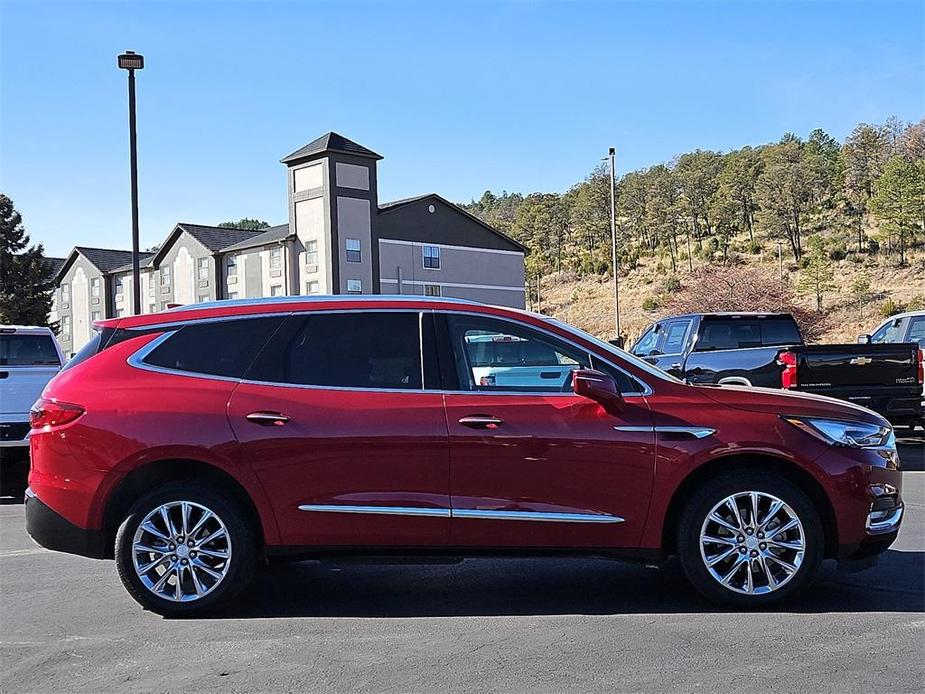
711 493
241 565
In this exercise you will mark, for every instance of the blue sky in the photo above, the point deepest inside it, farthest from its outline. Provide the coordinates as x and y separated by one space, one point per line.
458 98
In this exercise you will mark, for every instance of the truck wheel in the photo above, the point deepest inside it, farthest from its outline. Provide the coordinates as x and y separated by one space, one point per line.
185 550
750 539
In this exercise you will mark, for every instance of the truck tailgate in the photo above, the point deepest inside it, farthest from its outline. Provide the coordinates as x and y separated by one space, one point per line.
824 367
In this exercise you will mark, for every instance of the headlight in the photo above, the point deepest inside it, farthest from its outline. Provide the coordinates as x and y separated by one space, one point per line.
841 433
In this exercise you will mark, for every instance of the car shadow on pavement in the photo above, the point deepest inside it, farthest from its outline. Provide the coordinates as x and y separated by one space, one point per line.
517 587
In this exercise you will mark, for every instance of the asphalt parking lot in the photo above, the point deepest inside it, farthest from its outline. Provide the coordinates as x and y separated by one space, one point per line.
66 625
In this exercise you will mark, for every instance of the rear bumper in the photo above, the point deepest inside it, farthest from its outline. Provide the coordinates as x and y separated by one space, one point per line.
52 531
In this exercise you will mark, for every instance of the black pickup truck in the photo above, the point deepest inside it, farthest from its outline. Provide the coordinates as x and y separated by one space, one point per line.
767 350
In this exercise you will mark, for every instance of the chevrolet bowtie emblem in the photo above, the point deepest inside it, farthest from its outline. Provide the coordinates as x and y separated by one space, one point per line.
861 361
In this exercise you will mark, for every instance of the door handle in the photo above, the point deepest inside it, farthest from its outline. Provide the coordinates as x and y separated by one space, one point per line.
481 421
267 419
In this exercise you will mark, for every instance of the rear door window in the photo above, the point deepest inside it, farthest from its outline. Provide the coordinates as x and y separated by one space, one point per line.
28 350
676 336
362 349
221 348
917 330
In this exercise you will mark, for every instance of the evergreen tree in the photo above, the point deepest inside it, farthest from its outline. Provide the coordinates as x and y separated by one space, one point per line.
817 277
25 286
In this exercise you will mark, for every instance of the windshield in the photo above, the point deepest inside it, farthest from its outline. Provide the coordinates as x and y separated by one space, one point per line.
616 351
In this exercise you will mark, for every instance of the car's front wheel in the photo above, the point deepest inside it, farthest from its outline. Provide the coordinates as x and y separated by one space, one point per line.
750 539
184 550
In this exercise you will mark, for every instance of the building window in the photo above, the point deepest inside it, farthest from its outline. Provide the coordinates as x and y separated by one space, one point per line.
165 275
149 280
95 315
276 258
354 254
95 286
232 265
354 287
120 288
203 298
432 257
65 294
120 313
66 326
232 295
311 252
203 268
276 290
432 290
152 308
312 287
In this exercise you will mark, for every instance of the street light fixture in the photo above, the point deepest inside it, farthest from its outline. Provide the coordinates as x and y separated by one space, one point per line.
132 61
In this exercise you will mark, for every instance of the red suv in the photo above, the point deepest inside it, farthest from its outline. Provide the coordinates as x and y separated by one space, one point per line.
193 443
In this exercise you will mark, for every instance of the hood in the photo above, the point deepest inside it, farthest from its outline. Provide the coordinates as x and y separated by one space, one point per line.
788 402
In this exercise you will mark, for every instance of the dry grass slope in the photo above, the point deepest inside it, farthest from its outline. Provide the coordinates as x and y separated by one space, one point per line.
587 302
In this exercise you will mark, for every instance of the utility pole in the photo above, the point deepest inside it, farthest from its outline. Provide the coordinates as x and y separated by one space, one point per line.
613 241
131 61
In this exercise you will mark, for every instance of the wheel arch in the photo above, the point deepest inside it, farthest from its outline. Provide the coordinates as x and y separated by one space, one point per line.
155 473
766 463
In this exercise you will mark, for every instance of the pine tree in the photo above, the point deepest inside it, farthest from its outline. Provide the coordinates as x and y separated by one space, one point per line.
817 277
25 286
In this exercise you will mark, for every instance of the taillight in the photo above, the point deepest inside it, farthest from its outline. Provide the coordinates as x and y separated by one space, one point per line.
788 377
922 367
46 414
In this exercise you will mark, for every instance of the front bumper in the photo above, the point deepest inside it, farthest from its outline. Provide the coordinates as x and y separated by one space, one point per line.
52 531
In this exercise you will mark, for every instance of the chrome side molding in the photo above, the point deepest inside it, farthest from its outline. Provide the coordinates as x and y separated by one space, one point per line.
694 432
378 510
477 514
537 516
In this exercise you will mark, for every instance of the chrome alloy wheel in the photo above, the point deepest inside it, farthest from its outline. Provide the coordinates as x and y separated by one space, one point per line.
181 551
752 543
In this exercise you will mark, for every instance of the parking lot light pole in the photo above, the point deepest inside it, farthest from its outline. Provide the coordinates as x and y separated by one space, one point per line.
613 242
131 61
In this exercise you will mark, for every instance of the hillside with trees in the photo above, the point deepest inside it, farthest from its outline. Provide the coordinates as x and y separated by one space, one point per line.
833 231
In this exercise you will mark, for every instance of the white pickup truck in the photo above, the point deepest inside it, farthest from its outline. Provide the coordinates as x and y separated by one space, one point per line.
506 361
29 358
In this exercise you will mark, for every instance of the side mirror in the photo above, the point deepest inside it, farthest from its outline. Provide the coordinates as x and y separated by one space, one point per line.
863 339
597 386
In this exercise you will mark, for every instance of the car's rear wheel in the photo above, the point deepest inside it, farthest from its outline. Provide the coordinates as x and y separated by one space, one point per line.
750 539
184 550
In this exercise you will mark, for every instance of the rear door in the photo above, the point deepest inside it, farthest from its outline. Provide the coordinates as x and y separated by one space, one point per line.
335 420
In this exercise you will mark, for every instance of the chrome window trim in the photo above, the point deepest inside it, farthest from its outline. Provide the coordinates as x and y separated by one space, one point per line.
472 514
177 324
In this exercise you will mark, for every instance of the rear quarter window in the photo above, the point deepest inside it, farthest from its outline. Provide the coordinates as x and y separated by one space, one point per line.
223 348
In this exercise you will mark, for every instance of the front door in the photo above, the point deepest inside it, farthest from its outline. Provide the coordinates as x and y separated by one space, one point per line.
335 421
532 464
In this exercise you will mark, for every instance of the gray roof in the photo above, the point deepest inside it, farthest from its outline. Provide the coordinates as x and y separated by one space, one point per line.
218 238
144 260
330 142
266 236
106 259
54 265
404 201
